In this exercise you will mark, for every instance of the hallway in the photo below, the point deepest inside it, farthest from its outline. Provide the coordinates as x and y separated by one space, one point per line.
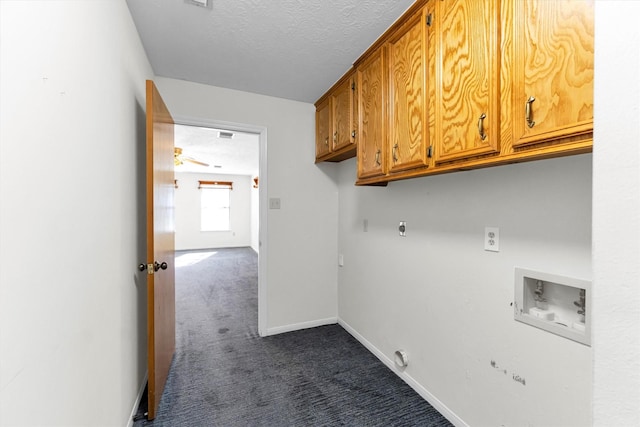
224 374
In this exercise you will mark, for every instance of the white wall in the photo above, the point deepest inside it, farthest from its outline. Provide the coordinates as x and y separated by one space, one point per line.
72 304
616 216
187 205
454 325
438 295
255 217
302 235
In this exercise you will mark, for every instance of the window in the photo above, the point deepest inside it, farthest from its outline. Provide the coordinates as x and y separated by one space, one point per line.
215 205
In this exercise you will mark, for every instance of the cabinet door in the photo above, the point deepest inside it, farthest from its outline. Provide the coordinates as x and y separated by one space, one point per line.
553 69
468 79
408 133
323 128
371 88
342 109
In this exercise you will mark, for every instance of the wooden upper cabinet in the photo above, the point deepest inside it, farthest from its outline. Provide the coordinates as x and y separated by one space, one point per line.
342 100
553 69
467 79
336 122
372 96
464 84
408 146
323 128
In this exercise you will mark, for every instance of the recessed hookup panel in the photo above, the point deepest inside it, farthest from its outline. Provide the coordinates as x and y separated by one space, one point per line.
554 303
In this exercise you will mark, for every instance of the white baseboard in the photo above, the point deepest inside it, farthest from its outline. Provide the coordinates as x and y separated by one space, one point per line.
423 392
299 326
134 411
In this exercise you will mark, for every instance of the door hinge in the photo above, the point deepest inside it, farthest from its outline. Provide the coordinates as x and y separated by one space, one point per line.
430 151
353 85
429 19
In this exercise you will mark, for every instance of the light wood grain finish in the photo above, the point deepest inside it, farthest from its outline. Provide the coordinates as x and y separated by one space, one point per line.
506 72
421 87
467 79
408 132
548 152
336 121
342 108
160 244
553 62
354 109
372 98
431 45
323 128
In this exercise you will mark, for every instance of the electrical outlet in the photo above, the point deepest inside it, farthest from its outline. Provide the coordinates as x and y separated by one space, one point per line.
492 239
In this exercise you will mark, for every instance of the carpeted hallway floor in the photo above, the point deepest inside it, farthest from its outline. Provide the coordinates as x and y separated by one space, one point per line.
224 374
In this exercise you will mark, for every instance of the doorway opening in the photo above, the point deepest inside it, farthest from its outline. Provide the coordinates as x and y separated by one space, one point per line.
212 154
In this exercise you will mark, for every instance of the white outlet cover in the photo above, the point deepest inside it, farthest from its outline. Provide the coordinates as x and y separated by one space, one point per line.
492 239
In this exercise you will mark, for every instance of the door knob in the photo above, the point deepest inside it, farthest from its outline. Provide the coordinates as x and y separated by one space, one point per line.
157 266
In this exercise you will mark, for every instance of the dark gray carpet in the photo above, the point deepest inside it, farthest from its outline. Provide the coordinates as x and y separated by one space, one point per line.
224 374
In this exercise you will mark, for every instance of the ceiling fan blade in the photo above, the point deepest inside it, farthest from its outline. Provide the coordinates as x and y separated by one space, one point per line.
189 159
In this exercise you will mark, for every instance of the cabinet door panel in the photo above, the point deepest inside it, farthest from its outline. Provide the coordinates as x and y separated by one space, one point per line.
372 114
323 128
467 119
408 138
342 100
553 54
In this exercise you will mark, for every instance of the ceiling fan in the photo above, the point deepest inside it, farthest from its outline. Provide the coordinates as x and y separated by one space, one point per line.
179 159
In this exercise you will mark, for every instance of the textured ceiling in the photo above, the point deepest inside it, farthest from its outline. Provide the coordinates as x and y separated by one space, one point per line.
236 156
294 49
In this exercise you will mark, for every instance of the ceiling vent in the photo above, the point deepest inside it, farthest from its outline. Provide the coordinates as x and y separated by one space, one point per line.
225 135
201 3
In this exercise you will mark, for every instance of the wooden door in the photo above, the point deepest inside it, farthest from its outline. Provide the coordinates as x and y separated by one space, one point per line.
468 79
323 128
372 96
160 245
408 132
553 69
342 114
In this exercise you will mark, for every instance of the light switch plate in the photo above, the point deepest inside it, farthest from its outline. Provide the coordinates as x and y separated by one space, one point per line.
274 203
